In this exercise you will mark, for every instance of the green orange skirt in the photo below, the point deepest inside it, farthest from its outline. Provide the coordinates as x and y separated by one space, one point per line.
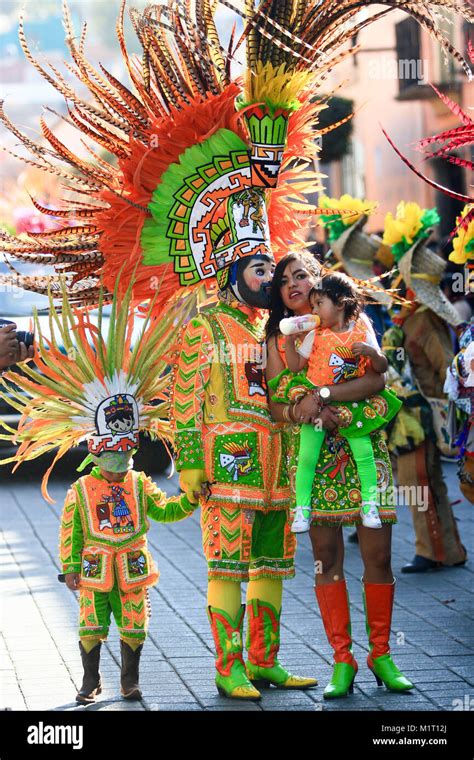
356 418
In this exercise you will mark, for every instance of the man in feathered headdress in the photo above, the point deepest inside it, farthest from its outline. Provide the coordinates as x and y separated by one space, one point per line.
225 436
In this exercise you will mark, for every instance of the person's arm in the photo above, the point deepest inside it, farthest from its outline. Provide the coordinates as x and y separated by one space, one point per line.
71 541
292 412
360 388
295 361
163 508
12 352
377 358
8 345
275 365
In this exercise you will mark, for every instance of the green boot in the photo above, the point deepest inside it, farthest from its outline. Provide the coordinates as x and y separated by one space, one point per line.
231 678
334 607
263 643
378 604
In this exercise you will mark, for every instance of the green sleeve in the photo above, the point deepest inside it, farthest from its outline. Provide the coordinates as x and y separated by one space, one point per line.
71 535
191 376
161 507
169 509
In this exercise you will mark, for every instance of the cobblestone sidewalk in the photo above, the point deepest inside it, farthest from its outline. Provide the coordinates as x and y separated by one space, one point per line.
432 641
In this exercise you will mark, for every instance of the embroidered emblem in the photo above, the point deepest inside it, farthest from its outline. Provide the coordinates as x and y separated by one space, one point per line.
238 461
383 478
91 565
335 466
380 405
354 495
344 364
254 375
137 564
103 515
120 510
345 416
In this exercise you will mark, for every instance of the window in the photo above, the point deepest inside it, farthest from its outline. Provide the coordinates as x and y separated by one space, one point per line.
410 71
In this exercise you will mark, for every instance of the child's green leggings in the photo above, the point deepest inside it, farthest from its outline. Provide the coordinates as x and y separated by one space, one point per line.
311 442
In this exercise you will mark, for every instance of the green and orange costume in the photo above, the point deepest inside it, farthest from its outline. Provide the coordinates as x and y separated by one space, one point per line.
111 553
224 435
105 392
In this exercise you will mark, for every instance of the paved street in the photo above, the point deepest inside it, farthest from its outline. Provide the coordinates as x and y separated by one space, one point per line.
40 668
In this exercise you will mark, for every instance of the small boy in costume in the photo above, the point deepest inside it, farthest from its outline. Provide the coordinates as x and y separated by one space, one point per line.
337 351
104 391
108 561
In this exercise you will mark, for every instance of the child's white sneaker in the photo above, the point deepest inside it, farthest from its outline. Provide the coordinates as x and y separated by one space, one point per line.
301 519
370 515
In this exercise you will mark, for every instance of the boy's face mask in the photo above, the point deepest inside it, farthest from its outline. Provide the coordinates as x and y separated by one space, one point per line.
114 461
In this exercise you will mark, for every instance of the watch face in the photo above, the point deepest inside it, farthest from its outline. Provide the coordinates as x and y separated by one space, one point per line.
324 393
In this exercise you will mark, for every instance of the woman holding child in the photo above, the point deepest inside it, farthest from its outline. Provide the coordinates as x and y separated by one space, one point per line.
336 496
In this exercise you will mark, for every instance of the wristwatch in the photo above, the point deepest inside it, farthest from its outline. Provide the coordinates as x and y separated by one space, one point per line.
324 394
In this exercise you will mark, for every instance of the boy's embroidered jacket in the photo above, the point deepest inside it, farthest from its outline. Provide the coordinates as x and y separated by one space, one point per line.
220 414
104 526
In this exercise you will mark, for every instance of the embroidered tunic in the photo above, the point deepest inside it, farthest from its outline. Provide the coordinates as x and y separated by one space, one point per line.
220 411
101 542
329 354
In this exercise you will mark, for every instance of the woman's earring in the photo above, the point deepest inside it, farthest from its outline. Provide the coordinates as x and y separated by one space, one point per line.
286 313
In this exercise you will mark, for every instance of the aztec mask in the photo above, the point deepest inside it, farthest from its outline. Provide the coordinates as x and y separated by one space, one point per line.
117 425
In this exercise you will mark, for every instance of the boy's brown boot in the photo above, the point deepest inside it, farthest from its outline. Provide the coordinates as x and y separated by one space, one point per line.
91 682
129 675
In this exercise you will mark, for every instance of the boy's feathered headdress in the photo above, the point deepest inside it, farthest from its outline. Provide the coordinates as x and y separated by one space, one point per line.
92 383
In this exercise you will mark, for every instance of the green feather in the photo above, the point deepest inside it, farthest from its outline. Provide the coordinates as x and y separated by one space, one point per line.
155 239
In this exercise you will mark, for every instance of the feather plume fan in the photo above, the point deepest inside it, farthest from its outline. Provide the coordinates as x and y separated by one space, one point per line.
174 114
80 365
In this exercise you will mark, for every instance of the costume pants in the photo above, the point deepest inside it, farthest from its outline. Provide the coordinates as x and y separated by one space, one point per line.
436 533
131 611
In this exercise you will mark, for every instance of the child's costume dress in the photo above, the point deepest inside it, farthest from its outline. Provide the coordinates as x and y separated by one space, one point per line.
113 560
331 361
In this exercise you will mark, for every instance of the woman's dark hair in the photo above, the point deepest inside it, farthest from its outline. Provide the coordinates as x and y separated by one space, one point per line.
277 308
341 290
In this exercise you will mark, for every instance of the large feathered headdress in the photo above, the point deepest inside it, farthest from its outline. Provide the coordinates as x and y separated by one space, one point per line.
196 155
96 378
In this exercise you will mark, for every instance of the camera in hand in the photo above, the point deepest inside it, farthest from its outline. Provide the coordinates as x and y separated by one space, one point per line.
22 336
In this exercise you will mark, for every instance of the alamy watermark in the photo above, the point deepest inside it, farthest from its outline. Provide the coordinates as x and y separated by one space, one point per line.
222 352
410 69
42 733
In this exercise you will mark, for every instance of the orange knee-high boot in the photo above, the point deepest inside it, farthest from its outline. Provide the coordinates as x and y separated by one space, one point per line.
378 602
334 606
